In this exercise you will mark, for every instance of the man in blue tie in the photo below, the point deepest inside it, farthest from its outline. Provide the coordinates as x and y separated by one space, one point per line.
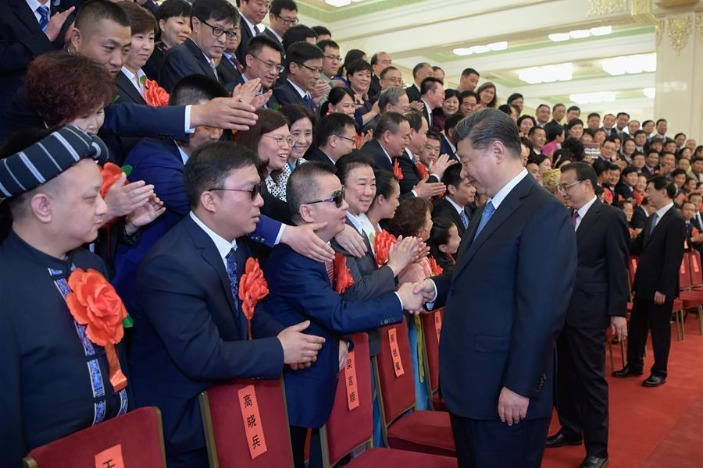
457 205
190 329
304 66
505 303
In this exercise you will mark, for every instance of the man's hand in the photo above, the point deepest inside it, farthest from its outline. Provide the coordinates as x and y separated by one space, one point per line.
365 138
659 298
229 113
319 91
351 241
440 165
404 252
512 408
618 325
343 352
56 23
299 348
427 289
412 301
303 240
145 214
428 190
261 100
246 92
417 105
123 199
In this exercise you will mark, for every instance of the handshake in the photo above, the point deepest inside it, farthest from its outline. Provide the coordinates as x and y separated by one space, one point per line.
415 295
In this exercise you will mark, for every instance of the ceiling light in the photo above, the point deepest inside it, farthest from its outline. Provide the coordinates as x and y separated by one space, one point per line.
591 98
547 74
649 92
631 64
581 33
481 49
338 3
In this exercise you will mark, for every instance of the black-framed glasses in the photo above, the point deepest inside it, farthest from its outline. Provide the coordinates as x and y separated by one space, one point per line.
312 69
270 65
337 58
353 140
218 31
563 188
288 21
337 198
253 192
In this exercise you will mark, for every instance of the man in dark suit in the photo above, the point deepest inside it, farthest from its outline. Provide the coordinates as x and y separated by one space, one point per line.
282 15
25 34
651 167
660 247
304 67
379 62
253 13
263 61
458 204
554 126
390 138
212 22
190 329
334 136
302 289
432 96
599 300
505 303
420 71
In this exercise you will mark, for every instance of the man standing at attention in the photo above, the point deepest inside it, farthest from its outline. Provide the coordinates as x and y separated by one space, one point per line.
505 303
599 300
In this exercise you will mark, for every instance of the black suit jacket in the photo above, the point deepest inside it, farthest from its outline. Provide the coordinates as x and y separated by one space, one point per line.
269 33
285 94
660 255
413 93
411 175
552 125
190 335
649 173
228 73
444 209
183 60
601 289
21 40
505 305
639 218
624 191
374 87
244 43
316 154
379 155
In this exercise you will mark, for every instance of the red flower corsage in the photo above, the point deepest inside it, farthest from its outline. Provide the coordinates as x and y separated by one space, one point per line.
252 288
382 243
342 274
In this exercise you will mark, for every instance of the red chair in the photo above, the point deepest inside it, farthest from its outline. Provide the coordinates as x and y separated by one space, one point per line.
688 297
228 443
136 438
431 326
348 429
696 270
403 427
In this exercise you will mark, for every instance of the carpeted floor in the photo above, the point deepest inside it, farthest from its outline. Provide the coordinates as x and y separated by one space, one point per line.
652 427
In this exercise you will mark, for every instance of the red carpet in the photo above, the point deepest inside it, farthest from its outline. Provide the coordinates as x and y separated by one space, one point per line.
652 427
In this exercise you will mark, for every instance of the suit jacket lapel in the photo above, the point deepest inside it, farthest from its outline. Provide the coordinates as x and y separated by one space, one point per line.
589 220
127 88
25 14
200 57
470 245
659 227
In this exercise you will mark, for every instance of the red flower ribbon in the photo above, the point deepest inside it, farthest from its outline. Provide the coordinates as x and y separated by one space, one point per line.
111 173
422 170
397 171
93 302
694 232
252 288
434 266
382 243
155 95
342 273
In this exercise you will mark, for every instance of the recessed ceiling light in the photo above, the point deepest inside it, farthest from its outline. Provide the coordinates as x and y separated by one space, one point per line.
630 64
547 74
581 33
338 3
481 49
592 98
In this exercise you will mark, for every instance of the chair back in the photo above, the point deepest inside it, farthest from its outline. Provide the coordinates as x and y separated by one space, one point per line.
134 440
632 269
696 272
348 428
246 424
432 326
685 273
397 392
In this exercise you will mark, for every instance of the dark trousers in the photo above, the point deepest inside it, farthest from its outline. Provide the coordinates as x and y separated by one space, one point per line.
648 316
494 444
582 391
297 439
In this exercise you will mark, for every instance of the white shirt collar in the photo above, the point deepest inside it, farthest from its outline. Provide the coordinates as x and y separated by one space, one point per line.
362 224
507 188
459 209
301 92
184 156
34 4
280 39
662 211
584 209
386 152
223 246
135 80
251 25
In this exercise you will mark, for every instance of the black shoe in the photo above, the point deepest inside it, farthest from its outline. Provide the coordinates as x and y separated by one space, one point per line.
626 372
654 381
594 462
560 440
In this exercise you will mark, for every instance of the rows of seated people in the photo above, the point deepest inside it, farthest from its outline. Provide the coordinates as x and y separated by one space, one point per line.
237 141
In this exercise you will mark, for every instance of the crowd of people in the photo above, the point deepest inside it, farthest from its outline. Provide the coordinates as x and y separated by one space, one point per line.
237 225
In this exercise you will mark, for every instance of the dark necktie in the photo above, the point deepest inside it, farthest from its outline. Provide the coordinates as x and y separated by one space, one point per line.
464 218
575 218
231 261
43 11
308 102
488 211
655 218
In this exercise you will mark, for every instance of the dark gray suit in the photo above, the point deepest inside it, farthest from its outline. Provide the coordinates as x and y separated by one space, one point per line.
183 60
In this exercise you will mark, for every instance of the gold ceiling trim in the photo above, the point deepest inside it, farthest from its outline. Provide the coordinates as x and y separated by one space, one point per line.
678 29
607 7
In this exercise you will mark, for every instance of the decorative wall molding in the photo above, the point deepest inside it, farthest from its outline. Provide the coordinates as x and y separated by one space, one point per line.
659 32
679 28
699 27
607 7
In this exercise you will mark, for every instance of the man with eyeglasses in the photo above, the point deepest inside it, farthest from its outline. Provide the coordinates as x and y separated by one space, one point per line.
336 137
282 15
302 289
263 61
598 301
253 13
190 329
212 23
331 61
304 67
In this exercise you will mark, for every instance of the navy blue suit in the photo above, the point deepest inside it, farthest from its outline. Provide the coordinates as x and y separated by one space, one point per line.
286 94
300 290
244 43
189 335
411 175
183 60
379 155
505 305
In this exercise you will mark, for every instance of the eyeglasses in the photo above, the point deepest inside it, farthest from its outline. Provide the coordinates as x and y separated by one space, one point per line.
288 21
334 57
218 31
270 65
312 69
353 140
281 139
337 198
563 188
253 192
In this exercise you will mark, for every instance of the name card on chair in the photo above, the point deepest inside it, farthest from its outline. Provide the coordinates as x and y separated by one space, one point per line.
694 262
350 381
438 323
395 353
110 458
682 270
251 418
